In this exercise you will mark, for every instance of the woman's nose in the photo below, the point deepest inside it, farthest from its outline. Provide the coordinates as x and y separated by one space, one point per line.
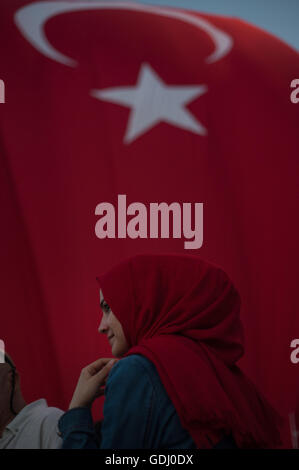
103 325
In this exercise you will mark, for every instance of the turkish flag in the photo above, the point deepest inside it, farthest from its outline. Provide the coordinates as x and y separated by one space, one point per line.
162 105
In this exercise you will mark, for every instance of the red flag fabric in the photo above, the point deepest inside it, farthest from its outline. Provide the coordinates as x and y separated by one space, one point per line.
183 314
163 106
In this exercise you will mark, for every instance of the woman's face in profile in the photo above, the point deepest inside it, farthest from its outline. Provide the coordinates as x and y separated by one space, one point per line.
112 328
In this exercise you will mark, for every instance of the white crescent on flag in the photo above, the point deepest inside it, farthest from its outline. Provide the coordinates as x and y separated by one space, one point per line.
31 18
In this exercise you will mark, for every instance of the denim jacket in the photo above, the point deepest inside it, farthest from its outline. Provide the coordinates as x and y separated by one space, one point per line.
138 413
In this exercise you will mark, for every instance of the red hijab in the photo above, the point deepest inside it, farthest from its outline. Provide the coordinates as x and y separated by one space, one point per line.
183 314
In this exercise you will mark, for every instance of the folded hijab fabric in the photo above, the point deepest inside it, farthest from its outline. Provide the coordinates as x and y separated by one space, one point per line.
183 314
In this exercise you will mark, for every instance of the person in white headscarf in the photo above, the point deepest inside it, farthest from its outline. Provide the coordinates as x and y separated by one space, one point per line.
22 425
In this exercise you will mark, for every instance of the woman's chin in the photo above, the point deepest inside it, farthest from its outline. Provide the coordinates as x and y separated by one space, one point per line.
118 350
114 350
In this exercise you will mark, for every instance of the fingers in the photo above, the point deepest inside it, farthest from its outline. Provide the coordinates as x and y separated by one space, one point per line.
96 366
91 382
101 376
98 380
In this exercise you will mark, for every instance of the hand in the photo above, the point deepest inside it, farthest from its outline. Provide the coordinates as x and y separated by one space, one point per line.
91 382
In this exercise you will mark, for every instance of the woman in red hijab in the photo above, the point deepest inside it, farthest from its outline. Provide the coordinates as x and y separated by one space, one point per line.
183 314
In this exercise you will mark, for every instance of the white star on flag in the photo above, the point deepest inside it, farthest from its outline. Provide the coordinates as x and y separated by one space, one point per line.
152 101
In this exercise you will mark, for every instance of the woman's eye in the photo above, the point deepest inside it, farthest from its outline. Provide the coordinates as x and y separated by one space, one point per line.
106 306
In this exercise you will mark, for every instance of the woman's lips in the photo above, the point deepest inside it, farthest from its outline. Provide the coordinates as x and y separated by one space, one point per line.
110 338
